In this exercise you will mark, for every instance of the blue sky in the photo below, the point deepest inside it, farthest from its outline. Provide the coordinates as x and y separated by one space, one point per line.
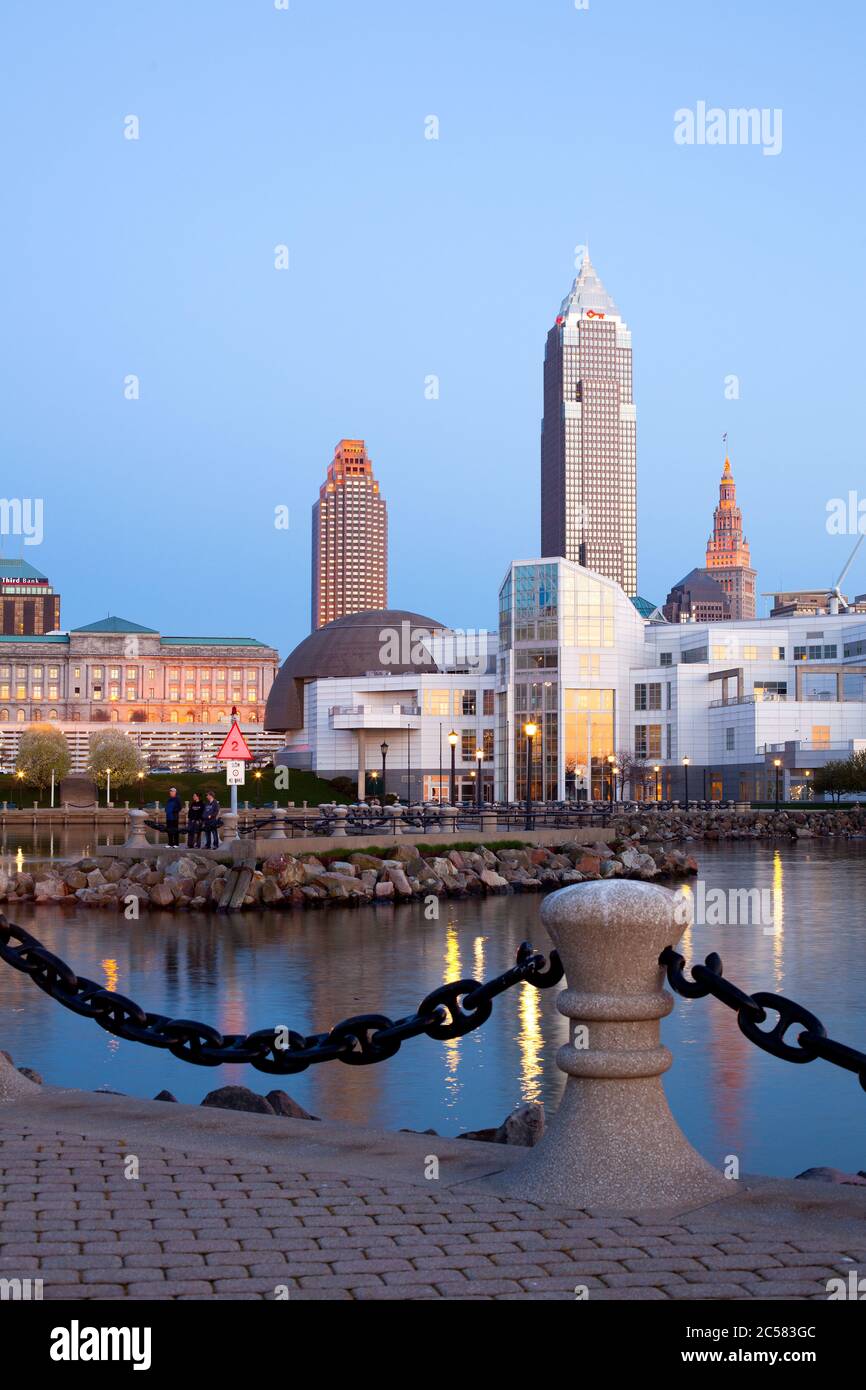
411 257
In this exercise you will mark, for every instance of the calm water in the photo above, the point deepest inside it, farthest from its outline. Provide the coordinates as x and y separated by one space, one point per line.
22 847
309 970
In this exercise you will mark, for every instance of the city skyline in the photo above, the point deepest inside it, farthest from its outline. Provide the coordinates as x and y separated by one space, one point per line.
416 320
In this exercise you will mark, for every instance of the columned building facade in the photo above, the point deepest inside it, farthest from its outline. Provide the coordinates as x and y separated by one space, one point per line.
588 436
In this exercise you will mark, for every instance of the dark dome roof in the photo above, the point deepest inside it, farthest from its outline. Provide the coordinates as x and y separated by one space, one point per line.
348 646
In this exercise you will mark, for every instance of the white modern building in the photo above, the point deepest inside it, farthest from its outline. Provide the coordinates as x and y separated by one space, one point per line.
603 683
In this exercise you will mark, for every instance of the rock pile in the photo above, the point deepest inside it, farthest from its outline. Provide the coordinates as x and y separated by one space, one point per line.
652 825
189 881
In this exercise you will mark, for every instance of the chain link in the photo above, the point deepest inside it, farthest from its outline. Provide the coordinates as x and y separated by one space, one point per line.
451 1011
752 1010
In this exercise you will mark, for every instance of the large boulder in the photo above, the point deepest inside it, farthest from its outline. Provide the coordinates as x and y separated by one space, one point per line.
161 895
238 1098
282 1104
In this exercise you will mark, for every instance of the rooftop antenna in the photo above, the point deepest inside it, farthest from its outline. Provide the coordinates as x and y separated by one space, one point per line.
836 601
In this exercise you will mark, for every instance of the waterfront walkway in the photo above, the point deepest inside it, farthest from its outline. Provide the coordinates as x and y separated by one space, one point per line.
104 1197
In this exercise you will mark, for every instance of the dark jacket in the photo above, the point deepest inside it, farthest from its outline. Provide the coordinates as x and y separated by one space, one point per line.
195 811
173 808
211 810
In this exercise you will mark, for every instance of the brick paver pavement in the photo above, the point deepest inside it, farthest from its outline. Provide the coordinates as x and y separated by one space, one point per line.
196 1227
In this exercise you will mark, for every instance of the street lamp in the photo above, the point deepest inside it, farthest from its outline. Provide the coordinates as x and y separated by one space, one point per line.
107 787
479 757
140 776
657 770
610 762
452 794
384 751
258 776
807 775
777 763
686 762
530 729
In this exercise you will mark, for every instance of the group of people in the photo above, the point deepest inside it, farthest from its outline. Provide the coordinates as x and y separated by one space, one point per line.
202 817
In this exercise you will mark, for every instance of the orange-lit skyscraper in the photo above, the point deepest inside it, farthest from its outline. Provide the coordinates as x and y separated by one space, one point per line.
729 560
350 538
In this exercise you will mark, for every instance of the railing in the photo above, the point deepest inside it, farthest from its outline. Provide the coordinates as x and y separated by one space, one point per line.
613 1141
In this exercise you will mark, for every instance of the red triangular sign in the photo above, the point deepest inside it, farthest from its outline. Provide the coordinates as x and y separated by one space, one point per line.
235 748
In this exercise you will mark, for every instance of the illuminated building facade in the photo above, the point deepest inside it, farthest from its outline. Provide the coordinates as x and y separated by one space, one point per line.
350 538
728 556
588 436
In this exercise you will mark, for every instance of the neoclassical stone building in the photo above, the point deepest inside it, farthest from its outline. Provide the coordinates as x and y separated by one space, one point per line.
115 671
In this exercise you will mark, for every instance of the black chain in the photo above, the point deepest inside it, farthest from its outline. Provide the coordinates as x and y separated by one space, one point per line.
448 1012
752 1010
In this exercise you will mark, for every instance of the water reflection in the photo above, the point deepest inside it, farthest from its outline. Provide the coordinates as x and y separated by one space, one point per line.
306 971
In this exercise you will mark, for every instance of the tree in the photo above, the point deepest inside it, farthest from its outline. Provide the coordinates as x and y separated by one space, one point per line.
117 752
42 749
835 778
857 764
631 771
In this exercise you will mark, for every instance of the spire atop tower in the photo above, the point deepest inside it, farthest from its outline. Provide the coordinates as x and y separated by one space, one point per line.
588 294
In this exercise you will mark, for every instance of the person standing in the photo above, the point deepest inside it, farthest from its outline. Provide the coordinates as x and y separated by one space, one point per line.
210 818
194 818
173 808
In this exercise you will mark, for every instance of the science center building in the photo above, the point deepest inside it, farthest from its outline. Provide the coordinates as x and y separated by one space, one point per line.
600 675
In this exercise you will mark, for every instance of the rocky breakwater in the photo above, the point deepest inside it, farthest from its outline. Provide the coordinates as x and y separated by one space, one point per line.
190 882
662 826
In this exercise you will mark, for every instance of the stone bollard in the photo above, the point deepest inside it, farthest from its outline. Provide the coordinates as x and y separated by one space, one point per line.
137 838
340 814
396 815
229 828
613 1141
449 816
489 823
277 831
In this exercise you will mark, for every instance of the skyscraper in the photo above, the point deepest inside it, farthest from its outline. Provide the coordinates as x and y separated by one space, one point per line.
588 436
28 604
350 538
728 556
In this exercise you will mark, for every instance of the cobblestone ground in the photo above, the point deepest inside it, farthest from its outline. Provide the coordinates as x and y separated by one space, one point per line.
195 1227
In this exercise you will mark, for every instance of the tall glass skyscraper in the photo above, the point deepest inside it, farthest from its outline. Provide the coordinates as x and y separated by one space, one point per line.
588 436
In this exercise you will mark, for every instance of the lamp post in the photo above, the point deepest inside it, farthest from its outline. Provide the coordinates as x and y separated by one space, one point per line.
611 760
140 776
52 788
107 787
479 758
383 748
777 763
258 780
686 762
807 775
530 729
452 793
657 770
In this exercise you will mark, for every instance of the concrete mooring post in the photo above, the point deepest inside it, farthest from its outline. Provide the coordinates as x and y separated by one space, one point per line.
613 1141
137 837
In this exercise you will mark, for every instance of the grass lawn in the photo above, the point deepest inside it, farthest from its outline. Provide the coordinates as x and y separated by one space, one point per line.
303 786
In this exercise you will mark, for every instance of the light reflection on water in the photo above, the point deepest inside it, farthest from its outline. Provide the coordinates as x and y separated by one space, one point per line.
307 970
